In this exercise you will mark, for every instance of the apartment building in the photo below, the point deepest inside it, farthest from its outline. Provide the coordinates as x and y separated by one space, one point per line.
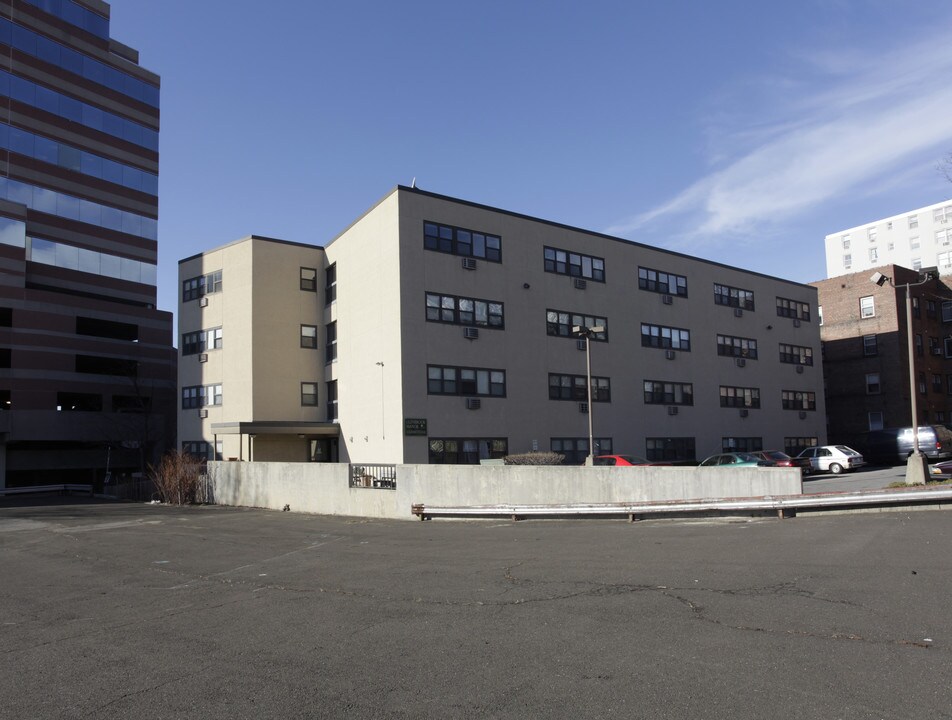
87 368
866 350
915 239
437 330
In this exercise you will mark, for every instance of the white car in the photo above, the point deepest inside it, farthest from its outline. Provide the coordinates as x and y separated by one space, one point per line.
833 458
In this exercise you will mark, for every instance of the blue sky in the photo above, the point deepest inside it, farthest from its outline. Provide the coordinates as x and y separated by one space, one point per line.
736 131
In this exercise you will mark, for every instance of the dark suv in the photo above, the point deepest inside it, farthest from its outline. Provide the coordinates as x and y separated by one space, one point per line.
892 445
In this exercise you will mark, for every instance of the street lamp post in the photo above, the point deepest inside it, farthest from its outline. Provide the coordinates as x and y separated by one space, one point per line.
588 332
917 467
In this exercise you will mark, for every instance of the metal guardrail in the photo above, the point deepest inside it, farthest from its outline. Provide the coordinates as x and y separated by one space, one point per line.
783 506
63 488
373 476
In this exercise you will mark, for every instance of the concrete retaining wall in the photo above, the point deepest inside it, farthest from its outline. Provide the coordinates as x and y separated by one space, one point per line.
323 488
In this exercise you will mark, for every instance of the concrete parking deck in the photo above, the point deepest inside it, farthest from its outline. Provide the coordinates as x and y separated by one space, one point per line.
121 610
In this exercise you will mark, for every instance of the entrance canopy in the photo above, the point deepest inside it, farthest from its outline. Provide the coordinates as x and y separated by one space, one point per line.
278 427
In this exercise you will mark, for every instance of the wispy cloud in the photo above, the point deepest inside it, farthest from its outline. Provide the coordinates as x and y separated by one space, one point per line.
872 118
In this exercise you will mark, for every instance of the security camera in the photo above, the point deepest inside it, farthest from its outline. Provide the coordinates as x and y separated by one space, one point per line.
879 278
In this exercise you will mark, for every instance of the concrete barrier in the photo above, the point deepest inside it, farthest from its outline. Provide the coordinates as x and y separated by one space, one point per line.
323 488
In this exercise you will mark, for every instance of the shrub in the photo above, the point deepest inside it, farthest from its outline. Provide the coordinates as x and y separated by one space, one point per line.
535 458
177 477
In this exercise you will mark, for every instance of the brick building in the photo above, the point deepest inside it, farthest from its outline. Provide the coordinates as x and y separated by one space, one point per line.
865 351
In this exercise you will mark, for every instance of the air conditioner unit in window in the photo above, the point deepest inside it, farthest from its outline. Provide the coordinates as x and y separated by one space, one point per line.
670 354
473 403
738 312
469 263
796 322
583 407
936 351
740 362
203 357
580 284
203 301
667 299
203 413
800 369
470 333
803 414
580 344
744 412
672 410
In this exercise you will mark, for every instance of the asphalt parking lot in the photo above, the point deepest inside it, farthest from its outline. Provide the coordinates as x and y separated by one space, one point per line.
125 610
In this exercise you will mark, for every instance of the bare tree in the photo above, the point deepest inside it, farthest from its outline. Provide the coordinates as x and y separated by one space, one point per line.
177 477
945 167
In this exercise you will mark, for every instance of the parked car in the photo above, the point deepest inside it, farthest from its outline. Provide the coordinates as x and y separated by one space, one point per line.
781 459
941 470
619 460
833 458
894 445
735 459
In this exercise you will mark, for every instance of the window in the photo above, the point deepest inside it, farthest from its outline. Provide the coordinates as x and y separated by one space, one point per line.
330 284
671 449
867 307
741 444
730 346
944 259
948 384
202 450
559 323
942 214
451 380
918 344
309 336
870 345
917 263
798 400
935 348
796 354
563 262
740 397
936 383
872 384
309 279
875 419
848 261
4 400
659 392
916 310
575 450
197 396
466 451
95 327
914 243
6 317
458 241
464 311
922 383
845 239
913 222
871 234
78 402
331 388
196 287
793 446
658 336
309 394
6 357
98 365
793 309
330 342
943 237
662 282
819 314
873 255
572 387
201 341
733 297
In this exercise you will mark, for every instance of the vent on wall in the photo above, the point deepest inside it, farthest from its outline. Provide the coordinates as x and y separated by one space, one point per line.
203 413
744 412
580 284
580 344
470 333
796 322
670 354
800 369
738 312
469 263
203 357
672 410
203 301
583 407
803 414
741 362
667 299
473 403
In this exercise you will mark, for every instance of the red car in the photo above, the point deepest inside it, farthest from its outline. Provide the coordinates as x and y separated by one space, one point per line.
781 459
620 460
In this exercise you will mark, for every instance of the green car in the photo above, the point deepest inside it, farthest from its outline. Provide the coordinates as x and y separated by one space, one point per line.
736 459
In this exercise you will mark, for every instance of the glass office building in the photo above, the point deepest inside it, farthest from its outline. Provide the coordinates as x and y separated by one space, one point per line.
87 368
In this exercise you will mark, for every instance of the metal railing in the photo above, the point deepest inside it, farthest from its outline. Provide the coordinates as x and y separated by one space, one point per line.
373 476
62 488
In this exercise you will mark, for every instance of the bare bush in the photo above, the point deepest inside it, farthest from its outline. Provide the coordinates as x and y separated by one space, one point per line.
177 477
534 458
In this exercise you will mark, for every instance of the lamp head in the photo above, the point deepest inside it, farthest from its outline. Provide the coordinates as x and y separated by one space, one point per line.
879 279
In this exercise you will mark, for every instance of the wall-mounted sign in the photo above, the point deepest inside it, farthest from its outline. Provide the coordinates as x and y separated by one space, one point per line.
414 426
